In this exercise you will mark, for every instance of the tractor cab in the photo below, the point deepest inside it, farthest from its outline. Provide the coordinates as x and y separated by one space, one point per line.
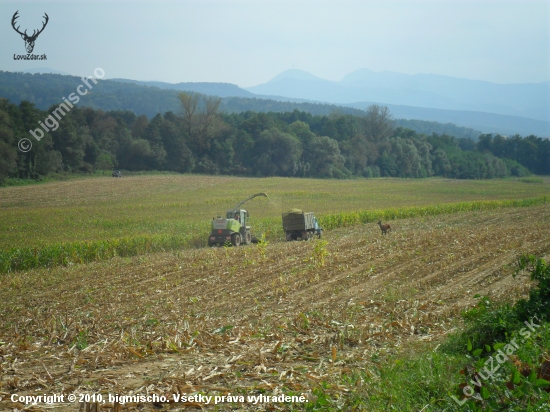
240 215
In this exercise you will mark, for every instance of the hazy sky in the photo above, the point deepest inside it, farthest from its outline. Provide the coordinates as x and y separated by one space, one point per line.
247 42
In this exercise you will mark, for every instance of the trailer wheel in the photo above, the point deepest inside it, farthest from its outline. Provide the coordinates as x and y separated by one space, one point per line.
248 238
236 239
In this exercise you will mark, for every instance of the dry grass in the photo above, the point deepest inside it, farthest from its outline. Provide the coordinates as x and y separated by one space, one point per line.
236 320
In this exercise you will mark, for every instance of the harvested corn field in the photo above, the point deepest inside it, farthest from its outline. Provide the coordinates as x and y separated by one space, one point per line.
274 318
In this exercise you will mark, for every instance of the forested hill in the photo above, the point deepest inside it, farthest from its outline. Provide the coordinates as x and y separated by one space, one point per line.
45 90
210 89
427 127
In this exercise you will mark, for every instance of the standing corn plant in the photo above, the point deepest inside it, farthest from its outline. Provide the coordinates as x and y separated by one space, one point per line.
319 253
262 246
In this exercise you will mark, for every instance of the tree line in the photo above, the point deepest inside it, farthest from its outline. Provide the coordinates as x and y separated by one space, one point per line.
202 139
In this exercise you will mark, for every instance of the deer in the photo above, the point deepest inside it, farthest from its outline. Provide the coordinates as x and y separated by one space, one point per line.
29 40
384 228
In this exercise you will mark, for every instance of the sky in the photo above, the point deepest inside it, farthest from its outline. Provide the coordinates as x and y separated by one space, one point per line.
248 42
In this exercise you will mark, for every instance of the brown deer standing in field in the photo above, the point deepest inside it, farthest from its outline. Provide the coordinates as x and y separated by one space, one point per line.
384 228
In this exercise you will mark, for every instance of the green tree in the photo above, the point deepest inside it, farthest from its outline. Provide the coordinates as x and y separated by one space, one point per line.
440 162
139 127
104 162
258 123
406 157
134 154
70 142
356 152
338 126
8 154
153 134
277 153
301 131
388 166
377 124
325 159
179 157
201 121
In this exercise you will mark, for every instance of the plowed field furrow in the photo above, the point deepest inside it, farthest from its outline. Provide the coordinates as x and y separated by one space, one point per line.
227 320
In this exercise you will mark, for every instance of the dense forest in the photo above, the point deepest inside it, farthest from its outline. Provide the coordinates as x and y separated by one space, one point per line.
203 140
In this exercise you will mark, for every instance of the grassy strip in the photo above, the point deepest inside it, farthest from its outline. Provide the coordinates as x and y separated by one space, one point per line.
26 258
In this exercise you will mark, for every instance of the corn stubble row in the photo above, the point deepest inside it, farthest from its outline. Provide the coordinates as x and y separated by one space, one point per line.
237 320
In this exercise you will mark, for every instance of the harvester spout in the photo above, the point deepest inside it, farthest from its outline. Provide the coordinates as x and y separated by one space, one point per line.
248 198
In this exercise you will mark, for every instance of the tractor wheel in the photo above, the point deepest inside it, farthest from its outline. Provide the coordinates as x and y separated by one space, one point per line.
236 239
248 238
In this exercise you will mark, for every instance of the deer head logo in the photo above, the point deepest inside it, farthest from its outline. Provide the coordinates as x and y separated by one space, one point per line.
29 40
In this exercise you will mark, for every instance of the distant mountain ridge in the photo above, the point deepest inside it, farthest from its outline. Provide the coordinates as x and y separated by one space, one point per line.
496 123
211 89
44 70
530 100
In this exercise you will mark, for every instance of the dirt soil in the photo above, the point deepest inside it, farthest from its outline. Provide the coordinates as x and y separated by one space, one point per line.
276 318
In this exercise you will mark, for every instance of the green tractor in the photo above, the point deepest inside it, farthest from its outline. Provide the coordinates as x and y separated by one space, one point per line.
234 228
